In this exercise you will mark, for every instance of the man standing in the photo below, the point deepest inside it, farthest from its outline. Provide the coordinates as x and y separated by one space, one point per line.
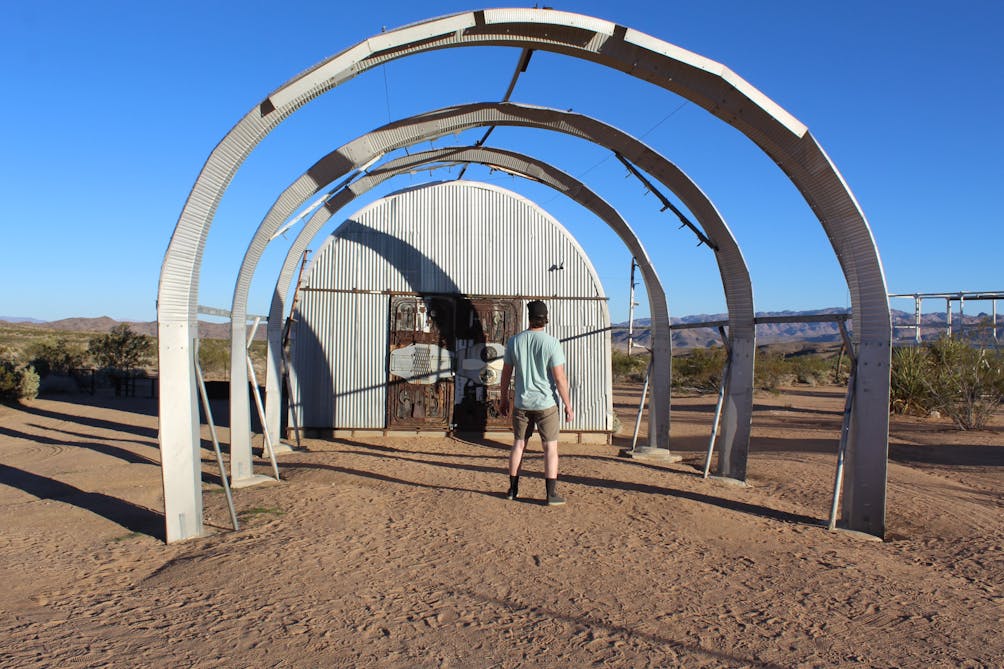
539 364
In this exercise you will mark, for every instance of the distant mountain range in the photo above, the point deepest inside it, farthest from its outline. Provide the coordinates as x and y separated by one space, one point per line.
104 324
18 319
932 326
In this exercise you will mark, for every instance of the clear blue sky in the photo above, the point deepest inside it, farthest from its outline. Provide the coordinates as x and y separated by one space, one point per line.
111 109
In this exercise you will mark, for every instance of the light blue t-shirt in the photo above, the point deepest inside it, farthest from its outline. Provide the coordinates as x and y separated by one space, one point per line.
532 355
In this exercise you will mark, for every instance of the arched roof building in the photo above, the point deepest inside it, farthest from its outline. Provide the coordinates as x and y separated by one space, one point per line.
403 313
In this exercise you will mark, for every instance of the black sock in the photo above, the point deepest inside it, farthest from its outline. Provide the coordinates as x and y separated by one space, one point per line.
513 485
551 485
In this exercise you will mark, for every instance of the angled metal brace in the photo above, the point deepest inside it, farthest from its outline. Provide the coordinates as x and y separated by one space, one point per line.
666 203
524 62
721 400
845 427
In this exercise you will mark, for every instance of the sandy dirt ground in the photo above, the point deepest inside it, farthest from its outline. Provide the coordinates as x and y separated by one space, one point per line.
405 553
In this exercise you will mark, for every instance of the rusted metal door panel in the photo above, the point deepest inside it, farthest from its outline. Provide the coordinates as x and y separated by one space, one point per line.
483 328
420 362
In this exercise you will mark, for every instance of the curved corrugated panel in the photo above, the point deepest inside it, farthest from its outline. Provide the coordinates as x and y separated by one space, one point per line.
583 329
343 384
455 237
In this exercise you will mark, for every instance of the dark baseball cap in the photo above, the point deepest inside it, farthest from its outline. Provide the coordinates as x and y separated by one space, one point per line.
536 309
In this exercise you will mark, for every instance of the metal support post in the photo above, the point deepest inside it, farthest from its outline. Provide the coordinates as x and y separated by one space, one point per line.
289 393
261 416
718 414
723 384
216 441
962 315
994 302
948 316
641 408
631 306
917 318
838 479
258 403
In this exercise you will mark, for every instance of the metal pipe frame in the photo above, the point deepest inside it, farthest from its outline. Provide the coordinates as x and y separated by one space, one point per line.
700 80
960 297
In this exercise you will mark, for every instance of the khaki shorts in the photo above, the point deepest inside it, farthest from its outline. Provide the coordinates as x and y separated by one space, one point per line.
546 421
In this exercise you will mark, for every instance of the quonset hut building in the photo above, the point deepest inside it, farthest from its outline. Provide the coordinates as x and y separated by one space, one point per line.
401 317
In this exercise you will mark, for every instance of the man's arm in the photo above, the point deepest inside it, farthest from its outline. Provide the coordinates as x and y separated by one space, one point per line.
561 381
506 379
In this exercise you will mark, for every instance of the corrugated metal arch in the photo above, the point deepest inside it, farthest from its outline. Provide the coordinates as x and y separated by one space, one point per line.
735 276
512 162
702 81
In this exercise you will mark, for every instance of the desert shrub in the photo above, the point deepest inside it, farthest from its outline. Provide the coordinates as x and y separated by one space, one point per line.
28 388
809 369
628 367
841 369
770 371
699 369
18 381
56 357
773 369
966 383
214 358
909 383
121 349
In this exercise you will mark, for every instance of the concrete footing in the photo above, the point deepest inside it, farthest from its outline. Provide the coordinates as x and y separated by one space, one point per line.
251 481
651 454
728 481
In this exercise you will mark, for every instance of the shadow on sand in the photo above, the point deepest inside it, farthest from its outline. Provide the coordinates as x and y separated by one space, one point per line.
130 516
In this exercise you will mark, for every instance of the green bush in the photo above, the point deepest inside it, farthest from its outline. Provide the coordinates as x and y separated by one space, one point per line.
699 369
909 383
214 358
56 357
18 381
628 367
28 389
968 382
121 349
810 369
961 381
770 371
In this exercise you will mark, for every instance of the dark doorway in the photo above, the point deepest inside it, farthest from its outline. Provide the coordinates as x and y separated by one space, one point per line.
483 327
422 346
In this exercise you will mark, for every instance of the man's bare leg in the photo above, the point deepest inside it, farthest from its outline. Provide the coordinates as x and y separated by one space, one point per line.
550 459
515 460
551 473
516 456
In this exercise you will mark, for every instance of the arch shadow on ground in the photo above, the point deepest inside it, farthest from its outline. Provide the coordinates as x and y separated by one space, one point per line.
591 481
133 517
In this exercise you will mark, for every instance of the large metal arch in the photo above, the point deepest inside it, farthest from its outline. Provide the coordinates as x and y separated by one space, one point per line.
702 81
511 162
399 134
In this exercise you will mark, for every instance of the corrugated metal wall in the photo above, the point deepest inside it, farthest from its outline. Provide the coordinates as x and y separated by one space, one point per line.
336 381
454 237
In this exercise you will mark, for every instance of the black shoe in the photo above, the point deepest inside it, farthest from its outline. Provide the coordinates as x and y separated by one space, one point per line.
551 490
513 487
